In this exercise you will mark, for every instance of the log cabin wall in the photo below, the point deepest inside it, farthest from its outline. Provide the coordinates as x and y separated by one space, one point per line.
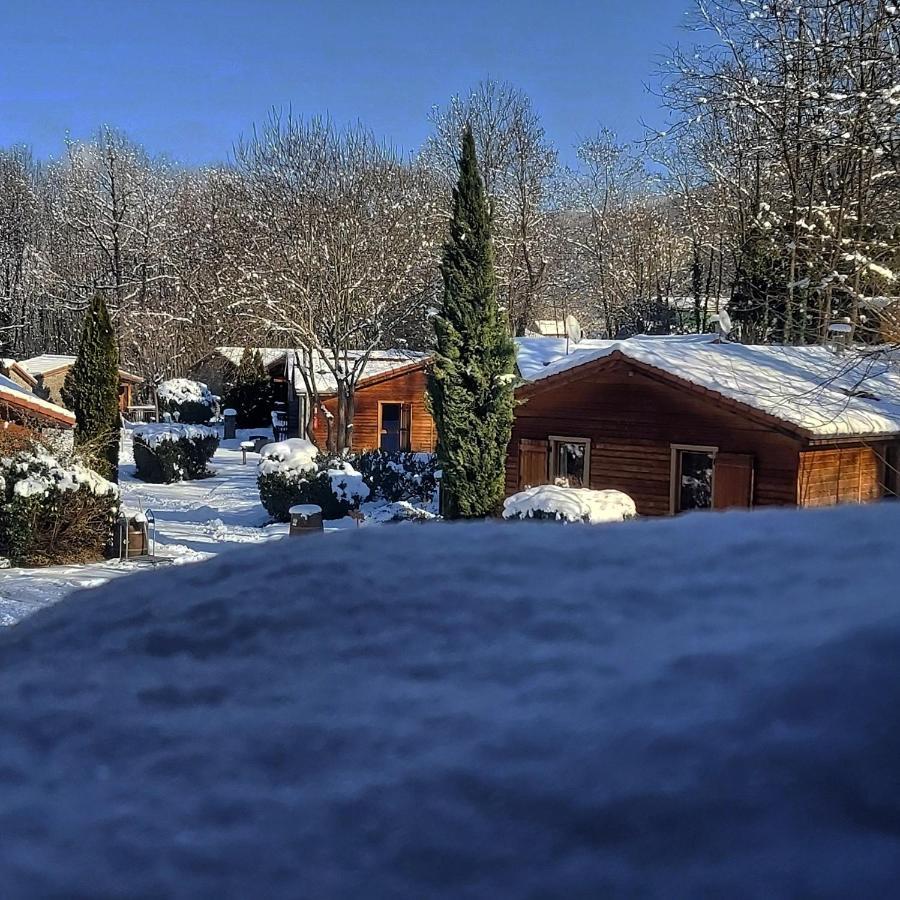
827 477
632 421
407 386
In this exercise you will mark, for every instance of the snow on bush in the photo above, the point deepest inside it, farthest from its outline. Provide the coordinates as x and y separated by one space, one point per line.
168 452
52 510
187 401
548 501
293 472
290 457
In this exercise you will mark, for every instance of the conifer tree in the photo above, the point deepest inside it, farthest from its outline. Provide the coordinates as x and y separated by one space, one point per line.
470 388
91 390
251 395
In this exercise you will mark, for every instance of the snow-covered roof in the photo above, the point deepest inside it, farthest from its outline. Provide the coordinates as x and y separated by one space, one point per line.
812 388
53 362
15 395
529 711
379 363
269 355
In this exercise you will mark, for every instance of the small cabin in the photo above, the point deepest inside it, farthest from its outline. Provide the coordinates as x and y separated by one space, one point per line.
684 423
390 412
23 413
49 373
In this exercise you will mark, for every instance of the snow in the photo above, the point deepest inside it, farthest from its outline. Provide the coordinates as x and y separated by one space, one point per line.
195 520
378 363
347 484
184 390
699 707
154 434
293 456
570 504
810 387
305 510
37 472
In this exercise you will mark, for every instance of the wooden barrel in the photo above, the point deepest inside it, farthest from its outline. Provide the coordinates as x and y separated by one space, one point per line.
306 518
137 538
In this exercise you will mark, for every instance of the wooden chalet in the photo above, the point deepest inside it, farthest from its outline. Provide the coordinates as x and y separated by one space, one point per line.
49 373
20 410
682 423
389 407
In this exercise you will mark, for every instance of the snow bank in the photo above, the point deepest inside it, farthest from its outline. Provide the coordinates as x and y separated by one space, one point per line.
570 504
183 390
291 457
696 707
154 434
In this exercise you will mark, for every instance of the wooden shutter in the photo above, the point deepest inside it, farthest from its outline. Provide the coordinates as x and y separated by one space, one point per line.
533 463
733 481
405 426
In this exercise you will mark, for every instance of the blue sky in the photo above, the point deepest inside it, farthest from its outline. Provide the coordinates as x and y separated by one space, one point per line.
188 77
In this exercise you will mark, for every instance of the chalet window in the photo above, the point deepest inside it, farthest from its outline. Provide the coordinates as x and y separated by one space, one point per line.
692 478
394 427
570 461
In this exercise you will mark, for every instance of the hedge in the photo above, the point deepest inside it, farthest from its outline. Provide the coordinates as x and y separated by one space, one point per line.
169 452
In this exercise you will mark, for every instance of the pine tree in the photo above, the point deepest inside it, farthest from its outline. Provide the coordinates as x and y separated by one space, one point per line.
470 388
251 395
91 390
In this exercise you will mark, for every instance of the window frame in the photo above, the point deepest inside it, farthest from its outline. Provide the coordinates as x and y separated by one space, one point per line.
402 404
675 451
553 440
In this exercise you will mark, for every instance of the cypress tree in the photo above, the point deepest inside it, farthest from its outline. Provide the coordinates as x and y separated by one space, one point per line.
470 388
91 390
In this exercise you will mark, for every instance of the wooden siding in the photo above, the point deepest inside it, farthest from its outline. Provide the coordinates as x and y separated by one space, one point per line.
840 475
633 419
406 386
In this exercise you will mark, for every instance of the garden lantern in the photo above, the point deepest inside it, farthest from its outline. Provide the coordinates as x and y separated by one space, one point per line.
151 527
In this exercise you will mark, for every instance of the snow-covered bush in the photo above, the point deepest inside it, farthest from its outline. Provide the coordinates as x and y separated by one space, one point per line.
188 402
166 452
292 472
396 475
53 511
548 501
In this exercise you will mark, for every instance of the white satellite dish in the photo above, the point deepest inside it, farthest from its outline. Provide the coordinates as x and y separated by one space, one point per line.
573 329
723 325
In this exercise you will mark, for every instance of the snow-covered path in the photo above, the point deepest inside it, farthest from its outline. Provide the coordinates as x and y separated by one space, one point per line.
194 521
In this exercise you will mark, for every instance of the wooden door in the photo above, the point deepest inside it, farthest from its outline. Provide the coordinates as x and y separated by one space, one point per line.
533 463
733 481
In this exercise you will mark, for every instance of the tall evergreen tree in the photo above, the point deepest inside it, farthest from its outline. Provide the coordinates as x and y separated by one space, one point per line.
470 388
91 390
252 395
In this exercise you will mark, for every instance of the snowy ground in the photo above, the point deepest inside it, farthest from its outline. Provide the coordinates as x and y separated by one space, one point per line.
195 520
694 707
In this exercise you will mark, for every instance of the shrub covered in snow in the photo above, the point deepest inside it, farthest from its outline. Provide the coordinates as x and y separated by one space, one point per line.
164 453
396 476
53 511
188 402
548 501
293 472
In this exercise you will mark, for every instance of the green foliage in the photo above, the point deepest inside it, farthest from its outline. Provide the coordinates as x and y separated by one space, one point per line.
252 395
470 387
167 461
398 475
323 486
53 513
91 389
